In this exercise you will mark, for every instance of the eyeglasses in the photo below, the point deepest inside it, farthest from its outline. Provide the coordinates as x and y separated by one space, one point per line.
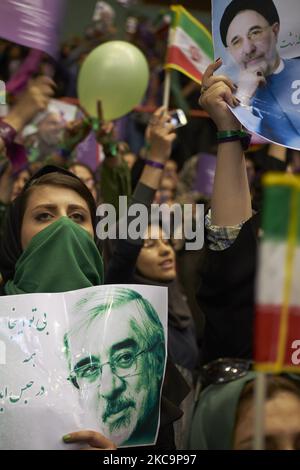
122 364
254 35
224 370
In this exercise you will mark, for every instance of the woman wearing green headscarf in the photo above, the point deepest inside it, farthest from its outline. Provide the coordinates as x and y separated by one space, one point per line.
50 243
224 415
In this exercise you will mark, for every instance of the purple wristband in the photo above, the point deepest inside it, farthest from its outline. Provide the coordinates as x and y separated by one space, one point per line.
159 165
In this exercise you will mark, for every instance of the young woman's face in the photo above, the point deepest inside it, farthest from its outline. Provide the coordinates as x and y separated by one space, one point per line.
46 204
86 176
156 260
282 424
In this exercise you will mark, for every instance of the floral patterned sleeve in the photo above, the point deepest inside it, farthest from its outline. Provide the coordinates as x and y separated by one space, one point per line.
220 238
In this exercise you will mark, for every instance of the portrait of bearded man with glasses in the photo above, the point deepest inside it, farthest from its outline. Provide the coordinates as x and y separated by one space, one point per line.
116 356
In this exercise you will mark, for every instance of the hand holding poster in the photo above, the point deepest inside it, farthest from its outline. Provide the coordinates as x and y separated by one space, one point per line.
259 42
87 359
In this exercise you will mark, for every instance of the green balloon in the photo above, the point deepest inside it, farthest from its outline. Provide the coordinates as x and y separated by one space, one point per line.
117 74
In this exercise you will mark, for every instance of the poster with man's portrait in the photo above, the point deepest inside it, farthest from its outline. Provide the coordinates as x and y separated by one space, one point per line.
87 359
259 43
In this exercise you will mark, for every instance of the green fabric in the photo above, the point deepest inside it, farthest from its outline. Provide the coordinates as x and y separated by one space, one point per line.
115 182
277 210
60 258
197 32
215 414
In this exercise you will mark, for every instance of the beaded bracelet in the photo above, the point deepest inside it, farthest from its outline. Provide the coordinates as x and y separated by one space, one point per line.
231 136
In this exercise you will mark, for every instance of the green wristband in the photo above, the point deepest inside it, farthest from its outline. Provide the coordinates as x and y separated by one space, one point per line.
231 136
225 134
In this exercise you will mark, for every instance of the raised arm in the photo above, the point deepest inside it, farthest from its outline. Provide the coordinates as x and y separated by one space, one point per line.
231 200
34 99
160 136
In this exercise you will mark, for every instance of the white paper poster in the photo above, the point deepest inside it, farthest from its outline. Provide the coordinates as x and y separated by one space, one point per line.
87 359
259 43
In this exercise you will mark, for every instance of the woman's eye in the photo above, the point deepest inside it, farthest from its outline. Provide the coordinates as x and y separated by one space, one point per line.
77 217
149 243
44 217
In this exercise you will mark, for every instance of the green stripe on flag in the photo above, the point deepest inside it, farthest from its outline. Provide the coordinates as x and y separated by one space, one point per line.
194 29
277 206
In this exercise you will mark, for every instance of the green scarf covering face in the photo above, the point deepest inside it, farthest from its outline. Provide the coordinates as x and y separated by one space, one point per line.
60 258
215 415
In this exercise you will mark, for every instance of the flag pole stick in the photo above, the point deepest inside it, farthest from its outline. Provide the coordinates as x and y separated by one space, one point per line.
259 402
167 88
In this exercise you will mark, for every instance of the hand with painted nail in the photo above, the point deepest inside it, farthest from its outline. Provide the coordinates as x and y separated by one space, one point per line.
217 95
90 440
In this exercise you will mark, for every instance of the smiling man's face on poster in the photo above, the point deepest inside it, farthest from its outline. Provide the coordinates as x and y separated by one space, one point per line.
259 56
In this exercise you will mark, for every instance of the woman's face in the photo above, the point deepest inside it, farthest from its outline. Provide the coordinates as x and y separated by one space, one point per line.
46 204
86 176
156 260
281 426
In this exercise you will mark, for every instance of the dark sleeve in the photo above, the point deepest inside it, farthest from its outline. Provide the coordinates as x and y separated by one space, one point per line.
122 263
115 182
3 209
226 296
174 391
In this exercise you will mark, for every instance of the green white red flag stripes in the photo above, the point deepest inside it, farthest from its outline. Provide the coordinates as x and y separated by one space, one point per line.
277 328
190 48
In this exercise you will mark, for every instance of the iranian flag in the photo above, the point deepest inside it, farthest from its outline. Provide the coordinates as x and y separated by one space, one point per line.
190 47
277 329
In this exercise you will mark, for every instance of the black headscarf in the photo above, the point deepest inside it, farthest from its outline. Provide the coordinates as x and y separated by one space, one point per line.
10 244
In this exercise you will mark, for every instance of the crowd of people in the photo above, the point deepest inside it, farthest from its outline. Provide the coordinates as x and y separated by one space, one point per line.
48 218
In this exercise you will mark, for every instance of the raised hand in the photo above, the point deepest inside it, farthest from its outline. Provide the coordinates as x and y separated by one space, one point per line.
217 94
160 135
33 100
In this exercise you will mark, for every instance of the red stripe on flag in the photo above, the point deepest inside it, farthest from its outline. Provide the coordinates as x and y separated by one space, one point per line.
177 57
267 334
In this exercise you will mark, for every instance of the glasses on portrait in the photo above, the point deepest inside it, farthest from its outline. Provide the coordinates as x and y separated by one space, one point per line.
255 34
123 364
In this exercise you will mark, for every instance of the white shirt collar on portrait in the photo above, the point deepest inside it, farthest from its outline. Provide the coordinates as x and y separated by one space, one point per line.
279 68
